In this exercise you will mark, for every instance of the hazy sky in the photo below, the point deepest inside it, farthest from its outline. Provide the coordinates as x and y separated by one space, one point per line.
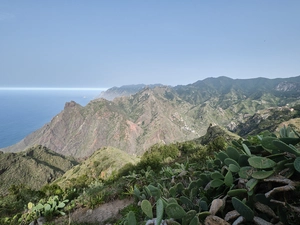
87 43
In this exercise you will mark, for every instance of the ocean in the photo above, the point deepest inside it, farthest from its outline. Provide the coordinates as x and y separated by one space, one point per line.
24 111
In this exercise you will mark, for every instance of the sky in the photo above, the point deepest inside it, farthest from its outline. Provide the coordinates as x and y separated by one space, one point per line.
101 44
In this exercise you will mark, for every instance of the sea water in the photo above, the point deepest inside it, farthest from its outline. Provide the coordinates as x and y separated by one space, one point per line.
24 111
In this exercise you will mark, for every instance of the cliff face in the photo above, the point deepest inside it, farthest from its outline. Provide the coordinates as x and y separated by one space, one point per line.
160 114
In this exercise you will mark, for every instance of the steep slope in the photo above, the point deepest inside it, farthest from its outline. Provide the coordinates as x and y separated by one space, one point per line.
268 119
228 102
100 165
160 114
159 117
79 131
34 168
131 124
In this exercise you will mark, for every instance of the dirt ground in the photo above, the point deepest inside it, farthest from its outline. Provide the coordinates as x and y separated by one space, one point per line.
98 215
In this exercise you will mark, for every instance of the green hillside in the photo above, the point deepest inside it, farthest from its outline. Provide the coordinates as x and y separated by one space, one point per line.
99 166
209 179
32 168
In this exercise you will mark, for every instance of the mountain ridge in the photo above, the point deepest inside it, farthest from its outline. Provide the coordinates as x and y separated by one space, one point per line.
34 167
160 114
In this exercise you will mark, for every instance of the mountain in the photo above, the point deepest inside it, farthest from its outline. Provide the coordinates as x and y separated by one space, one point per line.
33 167
125 90
269 119
160 114
131 124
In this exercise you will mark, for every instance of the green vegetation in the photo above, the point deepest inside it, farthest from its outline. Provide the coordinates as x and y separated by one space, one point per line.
101 165
247 182
256 180
33 167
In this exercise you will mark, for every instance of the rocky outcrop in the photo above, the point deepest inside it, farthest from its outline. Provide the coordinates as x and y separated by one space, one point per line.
213 132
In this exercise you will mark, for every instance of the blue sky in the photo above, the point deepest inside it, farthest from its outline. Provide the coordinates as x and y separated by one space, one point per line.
101 44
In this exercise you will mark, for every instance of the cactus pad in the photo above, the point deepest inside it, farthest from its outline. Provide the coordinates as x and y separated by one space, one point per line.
131 218
233 153
297 164
233 168
246 172
147 208
228 179
246 149
229 161
262 174
259 162
216 183
159 211
216 175
242 209
236 192
175 211
251 184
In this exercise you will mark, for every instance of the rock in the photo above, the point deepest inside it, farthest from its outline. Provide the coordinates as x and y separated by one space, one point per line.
41 220
216 205
215 220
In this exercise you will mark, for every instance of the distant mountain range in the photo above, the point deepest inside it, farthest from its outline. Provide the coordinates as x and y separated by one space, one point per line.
125 90
138 116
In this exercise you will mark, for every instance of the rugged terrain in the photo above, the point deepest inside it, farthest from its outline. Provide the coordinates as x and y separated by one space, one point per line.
161 114
33 168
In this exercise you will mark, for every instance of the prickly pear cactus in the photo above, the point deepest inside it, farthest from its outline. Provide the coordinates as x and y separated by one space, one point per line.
131 220
175 211
242 209
259 162
147 208
297 164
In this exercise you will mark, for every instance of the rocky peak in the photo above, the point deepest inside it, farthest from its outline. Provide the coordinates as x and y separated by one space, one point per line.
70 104
214 131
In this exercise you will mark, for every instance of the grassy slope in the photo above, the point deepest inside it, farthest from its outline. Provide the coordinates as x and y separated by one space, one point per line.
100 165
33 167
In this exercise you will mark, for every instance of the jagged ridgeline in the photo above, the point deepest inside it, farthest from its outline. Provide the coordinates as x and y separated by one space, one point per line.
32 168
161 114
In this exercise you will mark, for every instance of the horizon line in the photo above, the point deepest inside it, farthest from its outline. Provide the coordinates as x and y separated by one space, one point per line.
51 89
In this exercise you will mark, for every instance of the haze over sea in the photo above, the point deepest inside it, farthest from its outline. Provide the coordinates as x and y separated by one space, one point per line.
26 110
